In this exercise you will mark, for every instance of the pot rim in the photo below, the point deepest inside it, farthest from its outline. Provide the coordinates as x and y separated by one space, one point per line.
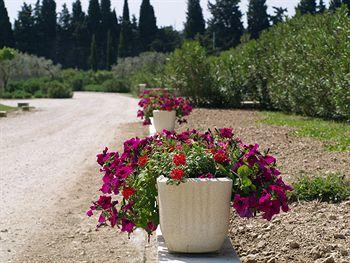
163 179
164 111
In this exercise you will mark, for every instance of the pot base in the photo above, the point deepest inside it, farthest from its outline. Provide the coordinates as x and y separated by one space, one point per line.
225 254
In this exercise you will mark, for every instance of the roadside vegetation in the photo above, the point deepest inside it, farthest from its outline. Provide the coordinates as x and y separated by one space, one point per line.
7 108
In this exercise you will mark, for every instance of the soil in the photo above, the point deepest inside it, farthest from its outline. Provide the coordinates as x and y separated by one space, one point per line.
310 232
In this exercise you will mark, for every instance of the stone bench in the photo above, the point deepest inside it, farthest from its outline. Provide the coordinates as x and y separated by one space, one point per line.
226 254
22 104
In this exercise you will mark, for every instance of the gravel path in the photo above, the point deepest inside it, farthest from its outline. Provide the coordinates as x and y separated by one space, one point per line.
43 153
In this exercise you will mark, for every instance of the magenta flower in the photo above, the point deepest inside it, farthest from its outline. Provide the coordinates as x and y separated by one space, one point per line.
104 202
127 225
226 133
242 206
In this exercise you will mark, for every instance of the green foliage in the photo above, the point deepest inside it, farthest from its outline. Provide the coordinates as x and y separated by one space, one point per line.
93 54
126 34
7 108
6 33
115 85
21 94
336 135
226 23
195 23
307 7
332 188
147 25
258 19
94 87
57 89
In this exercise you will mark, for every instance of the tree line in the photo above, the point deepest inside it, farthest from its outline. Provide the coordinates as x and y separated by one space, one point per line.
96 39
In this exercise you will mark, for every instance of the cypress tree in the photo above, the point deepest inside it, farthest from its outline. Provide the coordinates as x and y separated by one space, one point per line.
81 38
106 28
347 3
110 59
321 8
307 7
93 54
334 4
147 25
126 34
47 24
6 33
258 19
115 33
279 15
226 23
94 17
24 30
64 37
195 23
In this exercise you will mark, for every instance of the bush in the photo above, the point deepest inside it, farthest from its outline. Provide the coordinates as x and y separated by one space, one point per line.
7 95
115 85
20 94
39 94
94 87
188 71
58 90
332 188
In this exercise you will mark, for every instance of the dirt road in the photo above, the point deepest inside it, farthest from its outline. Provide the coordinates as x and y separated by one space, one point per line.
43 154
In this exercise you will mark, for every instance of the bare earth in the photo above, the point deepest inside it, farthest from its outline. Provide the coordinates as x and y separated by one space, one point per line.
49 177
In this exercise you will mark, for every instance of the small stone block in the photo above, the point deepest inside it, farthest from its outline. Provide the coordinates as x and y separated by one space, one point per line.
3 114
22 104
25 108
226 254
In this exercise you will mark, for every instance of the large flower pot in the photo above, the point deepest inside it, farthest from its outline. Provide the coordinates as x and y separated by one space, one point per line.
164 120
152 129
194 216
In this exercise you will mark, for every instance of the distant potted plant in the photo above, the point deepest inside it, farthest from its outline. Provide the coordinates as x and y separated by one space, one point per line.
160 109
187 183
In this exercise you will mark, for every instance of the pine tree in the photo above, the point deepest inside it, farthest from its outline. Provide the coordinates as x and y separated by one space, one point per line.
279 15
78 15
347 3
6 33
110 59
147 25
307 7
126 34
195 23
226 23
334 4
93 54
321 8
24 30
258 19
94 17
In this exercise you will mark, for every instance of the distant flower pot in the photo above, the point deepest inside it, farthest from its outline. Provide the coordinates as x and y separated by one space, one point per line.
152 129
164 120
194 215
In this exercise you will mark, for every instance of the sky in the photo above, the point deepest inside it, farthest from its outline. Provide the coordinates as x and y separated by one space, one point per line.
168 12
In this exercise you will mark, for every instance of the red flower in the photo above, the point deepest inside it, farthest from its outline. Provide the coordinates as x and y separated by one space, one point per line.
220 157
127 192
142 160
179 159
177 174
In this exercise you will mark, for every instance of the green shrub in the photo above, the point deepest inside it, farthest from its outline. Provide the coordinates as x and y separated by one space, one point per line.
94 87
57 89
188 71
7 95
73 78
39 94
115 85
20 94
33 85
331 188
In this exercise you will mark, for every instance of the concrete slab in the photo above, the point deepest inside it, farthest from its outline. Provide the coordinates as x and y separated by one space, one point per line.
226 254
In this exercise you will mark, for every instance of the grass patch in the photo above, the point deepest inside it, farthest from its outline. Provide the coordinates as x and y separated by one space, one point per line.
336 135
7 108
331 188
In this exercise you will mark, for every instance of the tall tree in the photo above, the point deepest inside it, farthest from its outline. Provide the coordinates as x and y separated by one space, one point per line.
307 7
347 3
81 37
106 29
334 4
47 24
6 33
115 33
110 59
226 23
195 23
279 15
321 8
147 25
94 17
258 19
126 34
64 37
93 59
24 30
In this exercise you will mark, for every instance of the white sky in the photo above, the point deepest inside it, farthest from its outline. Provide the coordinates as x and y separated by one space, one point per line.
168 12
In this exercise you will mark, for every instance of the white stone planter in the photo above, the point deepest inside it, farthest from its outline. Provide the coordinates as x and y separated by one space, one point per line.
194 216
152 129
164 120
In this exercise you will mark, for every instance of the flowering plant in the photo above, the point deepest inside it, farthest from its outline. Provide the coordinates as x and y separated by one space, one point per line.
161 99
257 185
